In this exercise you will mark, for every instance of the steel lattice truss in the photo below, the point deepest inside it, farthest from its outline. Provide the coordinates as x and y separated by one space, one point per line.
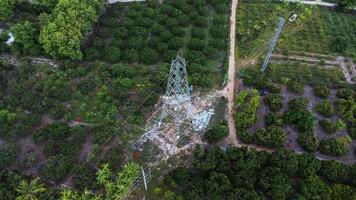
273 43
176 101
177 86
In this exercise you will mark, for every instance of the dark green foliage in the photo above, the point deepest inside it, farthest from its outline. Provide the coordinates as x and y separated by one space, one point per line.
245 136
200 75
218 185
331 127
334 171
286 161
274 102
345 93
308 141
328 126
272 136
340 192
339 44
217 132
347 109
308 165
40 136
57 168
7 120
9 181
352 131
336 146
25 38
254 77
8 154
177 177
322 91
325 108
101 134
298 114
295 86
58 131
251 175
313 187
85 177
114 157
299 103
199 33
273 118
246 104
6 9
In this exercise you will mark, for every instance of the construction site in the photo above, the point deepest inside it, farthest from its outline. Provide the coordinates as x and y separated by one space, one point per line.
191 99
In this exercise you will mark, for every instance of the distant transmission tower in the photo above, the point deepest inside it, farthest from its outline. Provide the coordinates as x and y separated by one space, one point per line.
176 101
273 43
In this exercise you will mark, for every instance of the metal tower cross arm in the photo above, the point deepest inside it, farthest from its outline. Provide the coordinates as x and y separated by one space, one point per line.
273 43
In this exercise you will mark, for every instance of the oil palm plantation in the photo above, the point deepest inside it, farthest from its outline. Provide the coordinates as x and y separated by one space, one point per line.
30 190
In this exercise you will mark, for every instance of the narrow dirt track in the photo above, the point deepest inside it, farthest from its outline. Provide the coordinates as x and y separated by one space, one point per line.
230 88
232 139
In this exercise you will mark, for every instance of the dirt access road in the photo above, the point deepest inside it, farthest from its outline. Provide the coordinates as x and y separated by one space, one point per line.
230 88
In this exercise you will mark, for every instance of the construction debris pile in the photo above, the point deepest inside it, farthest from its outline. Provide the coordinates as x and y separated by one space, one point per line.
180 116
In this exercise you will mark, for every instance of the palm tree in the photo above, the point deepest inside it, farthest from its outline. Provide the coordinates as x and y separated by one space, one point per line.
30 191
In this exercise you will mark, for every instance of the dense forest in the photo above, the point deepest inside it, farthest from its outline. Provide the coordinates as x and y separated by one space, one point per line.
249 175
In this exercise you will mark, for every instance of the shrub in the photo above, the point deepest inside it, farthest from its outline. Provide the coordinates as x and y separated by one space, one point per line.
114 157
295 86
26 38
58 131
201 22
334 171
272 136
331 127
6 9
336 146
199 33
196 44
274 101
273 118
85 176
217 132
308 141
57 168
149 56
325 108
299 115
8 155
246 104
175 43
218 32
352 131
40 136
347 109
299 103
322 91
7 120
245 136
345 93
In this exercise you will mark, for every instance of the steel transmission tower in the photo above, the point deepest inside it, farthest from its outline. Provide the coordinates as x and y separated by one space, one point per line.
176 102
273 43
